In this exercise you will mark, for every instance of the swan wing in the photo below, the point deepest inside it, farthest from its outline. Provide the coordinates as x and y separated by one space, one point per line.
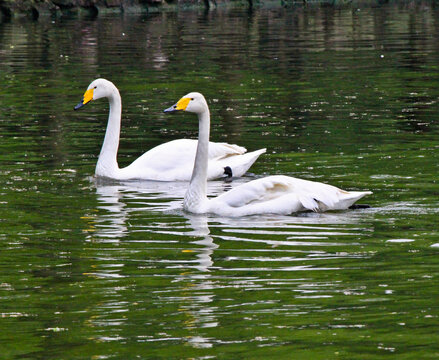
259 190
283 194
174 161
223 150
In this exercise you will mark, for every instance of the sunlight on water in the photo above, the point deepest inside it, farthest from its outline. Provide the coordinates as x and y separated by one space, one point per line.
103 269
260 235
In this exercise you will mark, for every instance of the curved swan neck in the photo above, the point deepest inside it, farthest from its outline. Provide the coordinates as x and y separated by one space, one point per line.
197 192
107 162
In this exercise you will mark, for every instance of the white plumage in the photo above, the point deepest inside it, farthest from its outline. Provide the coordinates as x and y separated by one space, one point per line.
270 195
171 161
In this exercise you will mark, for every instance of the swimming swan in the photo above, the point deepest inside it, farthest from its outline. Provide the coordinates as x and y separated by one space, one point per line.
171 161
269 195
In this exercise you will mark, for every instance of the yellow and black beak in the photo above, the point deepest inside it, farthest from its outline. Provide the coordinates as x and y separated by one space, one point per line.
181 105
88 96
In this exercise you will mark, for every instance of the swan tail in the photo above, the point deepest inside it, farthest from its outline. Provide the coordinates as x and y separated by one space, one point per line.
241 164
330 200
346 200
354 196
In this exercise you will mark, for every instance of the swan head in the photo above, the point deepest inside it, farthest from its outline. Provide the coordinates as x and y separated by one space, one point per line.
193 102
99 88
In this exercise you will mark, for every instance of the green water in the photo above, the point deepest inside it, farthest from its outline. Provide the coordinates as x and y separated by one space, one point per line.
92 270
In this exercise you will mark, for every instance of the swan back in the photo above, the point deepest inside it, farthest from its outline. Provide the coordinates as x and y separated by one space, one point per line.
283 195
274 194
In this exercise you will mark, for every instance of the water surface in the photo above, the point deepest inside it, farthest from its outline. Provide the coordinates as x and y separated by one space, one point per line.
109 270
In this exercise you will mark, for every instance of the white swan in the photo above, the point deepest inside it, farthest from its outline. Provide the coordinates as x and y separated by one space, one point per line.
269 195
171 161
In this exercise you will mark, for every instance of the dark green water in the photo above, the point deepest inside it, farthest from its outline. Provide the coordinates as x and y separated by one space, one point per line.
119 271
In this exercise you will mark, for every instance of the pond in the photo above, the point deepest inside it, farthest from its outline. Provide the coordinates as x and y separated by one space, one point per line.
110 270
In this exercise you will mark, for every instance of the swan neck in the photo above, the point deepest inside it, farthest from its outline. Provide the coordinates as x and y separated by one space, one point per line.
107 162
197 191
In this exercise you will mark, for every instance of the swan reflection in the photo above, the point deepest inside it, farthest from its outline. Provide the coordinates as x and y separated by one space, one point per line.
192 286
146 233
206 244
119 204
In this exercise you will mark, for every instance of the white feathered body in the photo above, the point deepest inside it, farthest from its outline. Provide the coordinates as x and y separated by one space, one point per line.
270 195
275 195
174 161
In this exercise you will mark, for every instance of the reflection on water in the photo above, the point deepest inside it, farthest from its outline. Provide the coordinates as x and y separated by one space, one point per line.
216 254
217 271
120 207
117 270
